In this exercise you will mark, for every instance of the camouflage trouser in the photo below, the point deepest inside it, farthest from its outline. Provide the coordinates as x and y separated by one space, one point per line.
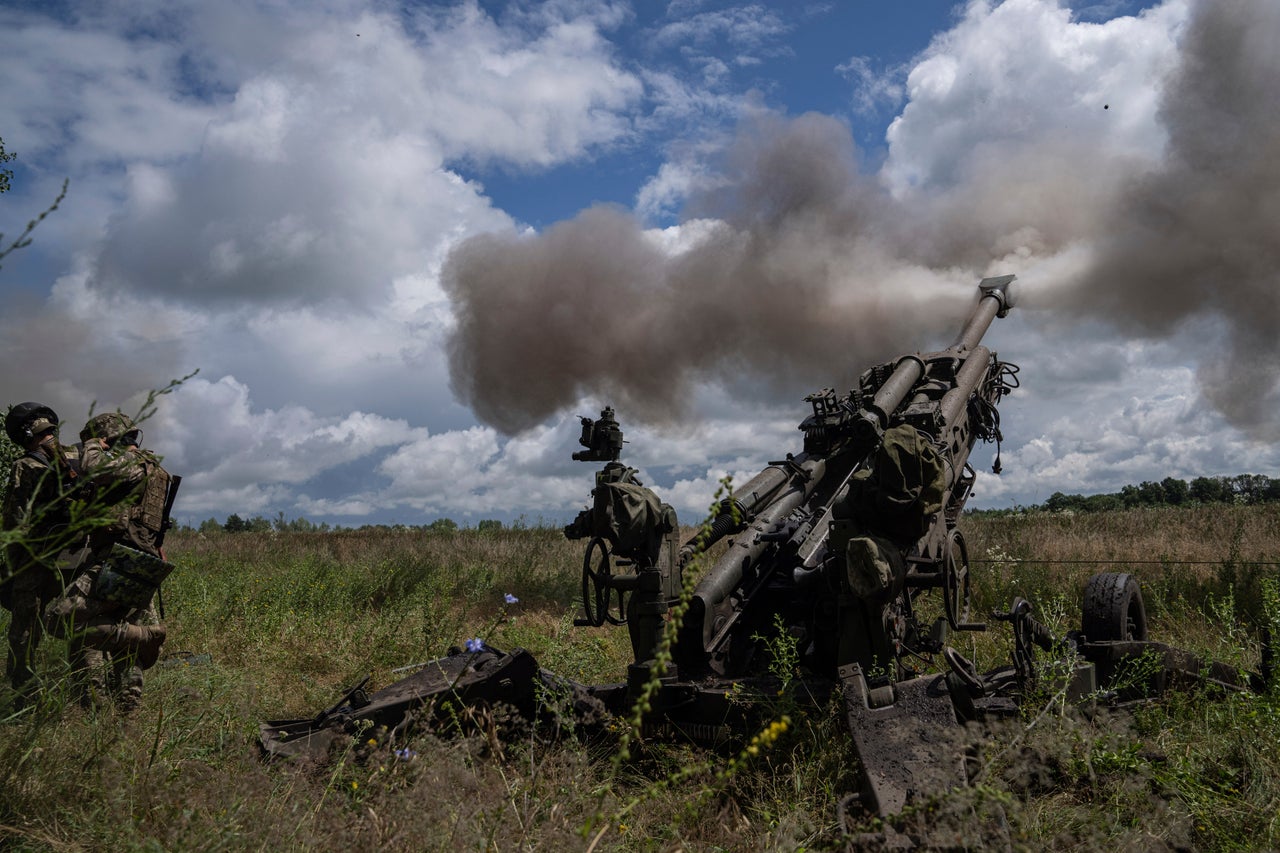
31 591
101 673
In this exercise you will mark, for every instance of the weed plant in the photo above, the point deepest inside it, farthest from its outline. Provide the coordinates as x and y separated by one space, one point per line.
272 626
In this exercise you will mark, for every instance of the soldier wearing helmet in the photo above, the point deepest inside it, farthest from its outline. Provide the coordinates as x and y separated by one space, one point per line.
122 630
128 478
44 553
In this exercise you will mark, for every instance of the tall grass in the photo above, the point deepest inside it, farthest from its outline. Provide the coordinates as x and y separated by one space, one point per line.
269 626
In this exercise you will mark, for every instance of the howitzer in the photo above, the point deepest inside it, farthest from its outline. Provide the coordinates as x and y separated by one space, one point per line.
842 538
793 526
851 546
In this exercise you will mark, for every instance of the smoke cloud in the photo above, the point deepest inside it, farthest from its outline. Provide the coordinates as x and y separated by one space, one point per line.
796 269
790 283
1200 236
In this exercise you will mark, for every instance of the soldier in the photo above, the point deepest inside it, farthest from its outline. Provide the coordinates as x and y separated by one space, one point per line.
41 546
108 607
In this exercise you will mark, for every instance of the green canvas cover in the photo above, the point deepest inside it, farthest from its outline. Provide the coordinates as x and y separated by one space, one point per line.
904 487
629 516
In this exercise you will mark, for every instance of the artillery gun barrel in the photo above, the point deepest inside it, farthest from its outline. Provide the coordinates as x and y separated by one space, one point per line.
978 323
968 378
745 504
995 302
752 497
957 431
727 573
895 389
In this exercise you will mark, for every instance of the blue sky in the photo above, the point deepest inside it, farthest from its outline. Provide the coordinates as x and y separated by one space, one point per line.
377 231
799 66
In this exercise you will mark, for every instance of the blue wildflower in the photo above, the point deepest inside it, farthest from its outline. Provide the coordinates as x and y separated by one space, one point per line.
510 599
475 644
405 754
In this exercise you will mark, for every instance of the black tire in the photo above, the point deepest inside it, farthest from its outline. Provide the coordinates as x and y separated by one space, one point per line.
1113 609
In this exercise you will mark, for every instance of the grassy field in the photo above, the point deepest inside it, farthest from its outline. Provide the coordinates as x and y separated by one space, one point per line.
267 626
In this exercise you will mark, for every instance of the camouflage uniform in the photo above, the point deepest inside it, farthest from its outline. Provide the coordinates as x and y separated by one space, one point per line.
132 483
46 552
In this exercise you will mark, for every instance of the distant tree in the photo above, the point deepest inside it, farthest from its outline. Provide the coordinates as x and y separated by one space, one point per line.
1250 488
489 525
1176 491
235 524
1102 503
210 525
257 524
1058 502
443 525
1210 490
6 175
1150 493
1272 492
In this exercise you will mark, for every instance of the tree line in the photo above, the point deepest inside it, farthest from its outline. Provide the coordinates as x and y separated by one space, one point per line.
1243 489
280 524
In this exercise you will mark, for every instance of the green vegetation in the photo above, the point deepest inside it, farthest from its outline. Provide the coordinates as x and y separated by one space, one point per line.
1241 489
6 175
274 624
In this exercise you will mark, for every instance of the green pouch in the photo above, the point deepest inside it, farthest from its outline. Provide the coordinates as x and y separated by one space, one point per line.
129 577
874 565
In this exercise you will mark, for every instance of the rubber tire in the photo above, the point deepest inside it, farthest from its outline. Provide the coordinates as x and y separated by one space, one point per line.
1113 608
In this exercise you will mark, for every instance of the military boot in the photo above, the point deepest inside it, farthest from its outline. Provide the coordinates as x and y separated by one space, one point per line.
126 685
121 638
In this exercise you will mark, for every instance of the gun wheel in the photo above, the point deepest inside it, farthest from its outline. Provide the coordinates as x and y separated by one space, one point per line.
596 589
955 580
1113 608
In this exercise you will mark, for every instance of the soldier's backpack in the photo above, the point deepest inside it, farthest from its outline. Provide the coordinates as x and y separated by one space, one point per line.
129 578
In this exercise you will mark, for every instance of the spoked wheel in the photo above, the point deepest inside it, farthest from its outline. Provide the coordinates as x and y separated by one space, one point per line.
963 684
955 581
1113 608
597 570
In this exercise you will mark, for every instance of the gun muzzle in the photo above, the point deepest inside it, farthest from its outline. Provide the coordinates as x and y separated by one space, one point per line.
995 300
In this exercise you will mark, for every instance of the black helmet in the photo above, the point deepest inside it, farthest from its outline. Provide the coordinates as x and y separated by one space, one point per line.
27 420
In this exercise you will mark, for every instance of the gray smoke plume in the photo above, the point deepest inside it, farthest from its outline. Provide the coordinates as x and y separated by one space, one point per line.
813 271
1200 237
795 286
